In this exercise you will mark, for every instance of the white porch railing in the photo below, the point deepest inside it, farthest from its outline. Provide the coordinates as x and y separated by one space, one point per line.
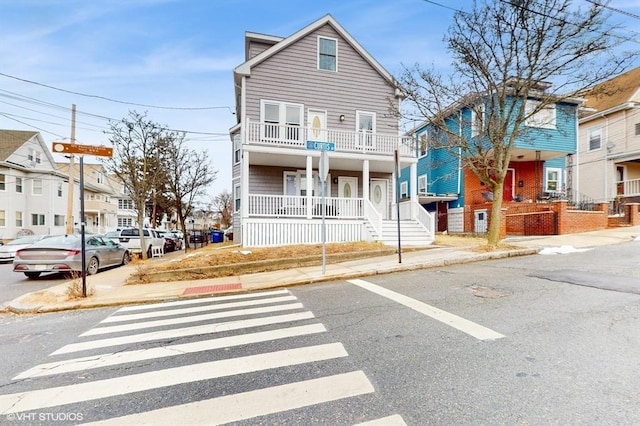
266 232
630 187
411 209
305 207
374 217
346 141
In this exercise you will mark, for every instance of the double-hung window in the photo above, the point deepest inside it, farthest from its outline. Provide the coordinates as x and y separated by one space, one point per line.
19 185
477 119
595 139
281 121
422 184
327 54
553 180
423 144
366 127
3 218
3 185
36 187
404 189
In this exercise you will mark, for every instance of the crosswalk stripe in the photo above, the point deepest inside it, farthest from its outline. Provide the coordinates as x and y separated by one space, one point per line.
255 403
194 309
46 398
201 300
183 332
395 420
188 319
459 323
117 358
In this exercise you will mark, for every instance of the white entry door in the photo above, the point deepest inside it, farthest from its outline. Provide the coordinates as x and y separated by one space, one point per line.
378 196
317 125
348 188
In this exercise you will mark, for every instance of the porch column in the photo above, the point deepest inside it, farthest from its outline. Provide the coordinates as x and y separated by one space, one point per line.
413 183
365 179
244 186
309 187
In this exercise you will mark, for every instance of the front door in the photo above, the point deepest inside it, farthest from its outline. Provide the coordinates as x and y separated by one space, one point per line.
507 189
348 188
317 124
378 196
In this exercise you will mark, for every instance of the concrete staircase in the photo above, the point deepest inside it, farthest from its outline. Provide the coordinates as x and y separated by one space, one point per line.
411 234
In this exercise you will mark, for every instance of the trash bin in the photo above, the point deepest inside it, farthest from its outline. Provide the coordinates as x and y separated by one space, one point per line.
217 236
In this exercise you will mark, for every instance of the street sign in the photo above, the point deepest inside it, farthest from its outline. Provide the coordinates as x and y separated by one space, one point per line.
74 148
321 146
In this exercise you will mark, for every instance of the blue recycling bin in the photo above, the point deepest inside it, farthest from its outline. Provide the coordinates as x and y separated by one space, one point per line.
217 236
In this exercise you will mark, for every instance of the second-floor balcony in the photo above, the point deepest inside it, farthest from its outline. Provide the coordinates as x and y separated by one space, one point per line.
357 142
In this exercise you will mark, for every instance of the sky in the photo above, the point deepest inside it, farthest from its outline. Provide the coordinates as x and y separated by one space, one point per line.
173 59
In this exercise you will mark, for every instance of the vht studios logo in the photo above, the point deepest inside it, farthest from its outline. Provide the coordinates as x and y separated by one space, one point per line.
44 417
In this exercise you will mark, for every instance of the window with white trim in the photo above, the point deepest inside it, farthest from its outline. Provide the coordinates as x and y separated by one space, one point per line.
236 198
19 185
422 184
281 121
366 127
295 183
544 118
404 189
125 222
553 181
237 145
99 177
423 144
18 219
3 185
595 139
3 219
327 54
36 187
59 189
37 219
477 119
58 220
125 204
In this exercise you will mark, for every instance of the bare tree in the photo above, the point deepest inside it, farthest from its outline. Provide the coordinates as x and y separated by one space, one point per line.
504 52
188 175
222 205
135 142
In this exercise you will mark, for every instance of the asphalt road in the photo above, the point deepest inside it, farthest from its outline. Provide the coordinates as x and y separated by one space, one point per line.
15 284
528 340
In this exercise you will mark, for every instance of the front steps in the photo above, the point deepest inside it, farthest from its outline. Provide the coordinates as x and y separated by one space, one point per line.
411 234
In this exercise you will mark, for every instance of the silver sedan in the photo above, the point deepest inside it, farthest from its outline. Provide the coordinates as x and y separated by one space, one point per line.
64 254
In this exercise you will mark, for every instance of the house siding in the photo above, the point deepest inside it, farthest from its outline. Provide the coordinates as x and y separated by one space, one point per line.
561 139
292 76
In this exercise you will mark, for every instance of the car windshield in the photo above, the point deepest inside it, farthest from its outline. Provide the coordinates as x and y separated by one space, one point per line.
60 240
24 240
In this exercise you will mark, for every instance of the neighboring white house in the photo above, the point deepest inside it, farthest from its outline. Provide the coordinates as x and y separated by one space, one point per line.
33 193
609 141
318 88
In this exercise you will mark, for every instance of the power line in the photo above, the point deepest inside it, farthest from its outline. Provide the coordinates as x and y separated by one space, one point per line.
115 100
622 12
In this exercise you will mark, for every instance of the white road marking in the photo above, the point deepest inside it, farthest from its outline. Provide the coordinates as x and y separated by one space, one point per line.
395 420
117 358
193 318
466 326
183 332
46 398
201 300
194 309
247 405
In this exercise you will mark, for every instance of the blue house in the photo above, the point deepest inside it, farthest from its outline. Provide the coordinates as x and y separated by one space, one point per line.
540 167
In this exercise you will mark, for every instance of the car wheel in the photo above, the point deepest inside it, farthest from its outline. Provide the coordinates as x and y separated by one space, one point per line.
32 275
126 258
92 267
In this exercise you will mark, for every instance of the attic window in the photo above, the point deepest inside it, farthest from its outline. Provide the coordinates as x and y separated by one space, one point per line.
327 54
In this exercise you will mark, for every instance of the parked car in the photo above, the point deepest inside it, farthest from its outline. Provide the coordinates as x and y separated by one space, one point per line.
130 239
171 242
197 237
8 251
63 253
113 236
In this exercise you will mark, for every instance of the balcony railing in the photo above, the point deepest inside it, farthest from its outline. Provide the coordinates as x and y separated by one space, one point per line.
630 187
345 141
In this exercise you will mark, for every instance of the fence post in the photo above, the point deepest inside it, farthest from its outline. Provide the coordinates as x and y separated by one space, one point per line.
633 213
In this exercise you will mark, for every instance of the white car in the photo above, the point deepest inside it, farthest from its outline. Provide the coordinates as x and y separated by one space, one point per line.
8 250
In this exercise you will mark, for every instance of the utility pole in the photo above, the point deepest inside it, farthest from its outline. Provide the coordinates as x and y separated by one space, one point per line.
69 229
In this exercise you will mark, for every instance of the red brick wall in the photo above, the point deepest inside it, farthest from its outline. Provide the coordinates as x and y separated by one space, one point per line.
572 221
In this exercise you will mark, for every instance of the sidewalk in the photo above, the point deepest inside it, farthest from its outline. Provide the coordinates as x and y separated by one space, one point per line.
110 288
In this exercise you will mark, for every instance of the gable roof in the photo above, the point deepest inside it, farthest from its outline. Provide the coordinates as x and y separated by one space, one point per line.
245 68
11 140
615 91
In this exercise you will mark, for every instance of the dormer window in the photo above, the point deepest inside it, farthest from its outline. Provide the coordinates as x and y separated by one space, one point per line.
327 54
